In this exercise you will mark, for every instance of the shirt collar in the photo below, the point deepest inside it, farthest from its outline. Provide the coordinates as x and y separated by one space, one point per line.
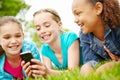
107 31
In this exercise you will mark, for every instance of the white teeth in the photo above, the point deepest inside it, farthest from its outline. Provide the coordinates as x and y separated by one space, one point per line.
14 47
81 25
45 37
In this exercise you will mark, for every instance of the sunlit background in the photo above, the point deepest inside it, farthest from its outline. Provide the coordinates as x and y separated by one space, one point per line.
63 7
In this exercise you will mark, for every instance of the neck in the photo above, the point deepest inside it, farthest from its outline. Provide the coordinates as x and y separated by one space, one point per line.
55 45
99 31
14 60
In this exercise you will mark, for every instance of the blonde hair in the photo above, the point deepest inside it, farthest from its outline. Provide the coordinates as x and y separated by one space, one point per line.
55 17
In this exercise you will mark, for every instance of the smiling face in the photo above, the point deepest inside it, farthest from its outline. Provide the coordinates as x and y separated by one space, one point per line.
86 15
11 38
47 28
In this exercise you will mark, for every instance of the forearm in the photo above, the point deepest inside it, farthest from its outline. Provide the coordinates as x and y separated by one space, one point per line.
53 72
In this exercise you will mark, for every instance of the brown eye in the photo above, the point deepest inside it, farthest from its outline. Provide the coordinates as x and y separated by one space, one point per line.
78 14
6 37
19 35
47 25
37 28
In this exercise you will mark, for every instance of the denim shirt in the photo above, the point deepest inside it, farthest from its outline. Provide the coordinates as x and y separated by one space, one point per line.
27 45
91 51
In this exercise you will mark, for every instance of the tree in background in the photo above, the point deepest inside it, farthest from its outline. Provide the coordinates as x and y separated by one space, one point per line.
11 7
19 8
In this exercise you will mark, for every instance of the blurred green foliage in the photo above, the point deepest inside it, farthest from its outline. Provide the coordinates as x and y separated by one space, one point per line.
11 7
110 74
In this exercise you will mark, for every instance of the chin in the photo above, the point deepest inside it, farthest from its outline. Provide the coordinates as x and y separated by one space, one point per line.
46 42
85 32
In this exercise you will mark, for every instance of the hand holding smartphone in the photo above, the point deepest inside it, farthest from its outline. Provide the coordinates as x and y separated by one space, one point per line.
27 56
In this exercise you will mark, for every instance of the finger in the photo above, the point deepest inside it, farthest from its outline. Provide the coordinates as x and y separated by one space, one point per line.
36 75
110 53
22 63
39 67
25 65
28 69
29 74
39 72
36 61
106 49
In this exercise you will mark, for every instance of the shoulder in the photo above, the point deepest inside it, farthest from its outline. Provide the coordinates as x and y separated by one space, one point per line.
117 32
2 59
28 45
68 38
85 37
44 48
68 35
28 42
31 46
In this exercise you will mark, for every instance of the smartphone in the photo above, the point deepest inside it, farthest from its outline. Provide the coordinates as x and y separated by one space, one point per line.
27 56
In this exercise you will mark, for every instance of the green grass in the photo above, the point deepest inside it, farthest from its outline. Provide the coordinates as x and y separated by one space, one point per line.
112 74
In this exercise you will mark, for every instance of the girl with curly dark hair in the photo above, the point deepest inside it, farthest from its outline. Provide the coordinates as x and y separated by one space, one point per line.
99 21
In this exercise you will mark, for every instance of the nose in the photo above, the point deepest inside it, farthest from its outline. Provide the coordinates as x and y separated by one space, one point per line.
13 40
41 31
76 20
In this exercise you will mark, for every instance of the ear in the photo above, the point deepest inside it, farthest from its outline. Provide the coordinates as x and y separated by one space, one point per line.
23 35
99 8
60 25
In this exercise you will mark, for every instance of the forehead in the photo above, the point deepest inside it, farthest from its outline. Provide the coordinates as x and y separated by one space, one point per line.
78 4
10 26
43 16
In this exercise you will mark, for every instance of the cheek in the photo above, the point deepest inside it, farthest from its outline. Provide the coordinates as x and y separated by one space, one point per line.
3 45
2 41
38 34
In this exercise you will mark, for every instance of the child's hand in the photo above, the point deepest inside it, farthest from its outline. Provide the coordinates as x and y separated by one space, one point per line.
114 57
27 68
38 69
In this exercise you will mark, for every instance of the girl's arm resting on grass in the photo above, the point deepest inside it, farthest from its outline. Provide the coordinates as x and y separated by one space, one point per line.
74 55
73 59
48 64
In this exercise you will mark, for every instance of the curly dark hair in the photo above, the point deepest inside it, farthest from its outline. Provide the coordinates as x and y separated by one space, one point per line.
111 12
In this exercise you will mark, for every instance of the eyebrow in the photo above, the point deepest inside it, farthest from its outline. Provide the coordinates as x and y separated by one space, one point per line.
9 34
76 9
46 22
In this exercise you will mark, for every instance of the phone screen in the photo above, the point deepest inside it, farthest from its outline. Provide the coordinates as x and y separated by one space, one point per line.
26 56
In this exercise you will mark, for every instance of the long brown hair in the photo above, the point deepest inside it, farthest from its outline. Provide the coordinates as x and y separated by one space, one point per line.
7 19
111 12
